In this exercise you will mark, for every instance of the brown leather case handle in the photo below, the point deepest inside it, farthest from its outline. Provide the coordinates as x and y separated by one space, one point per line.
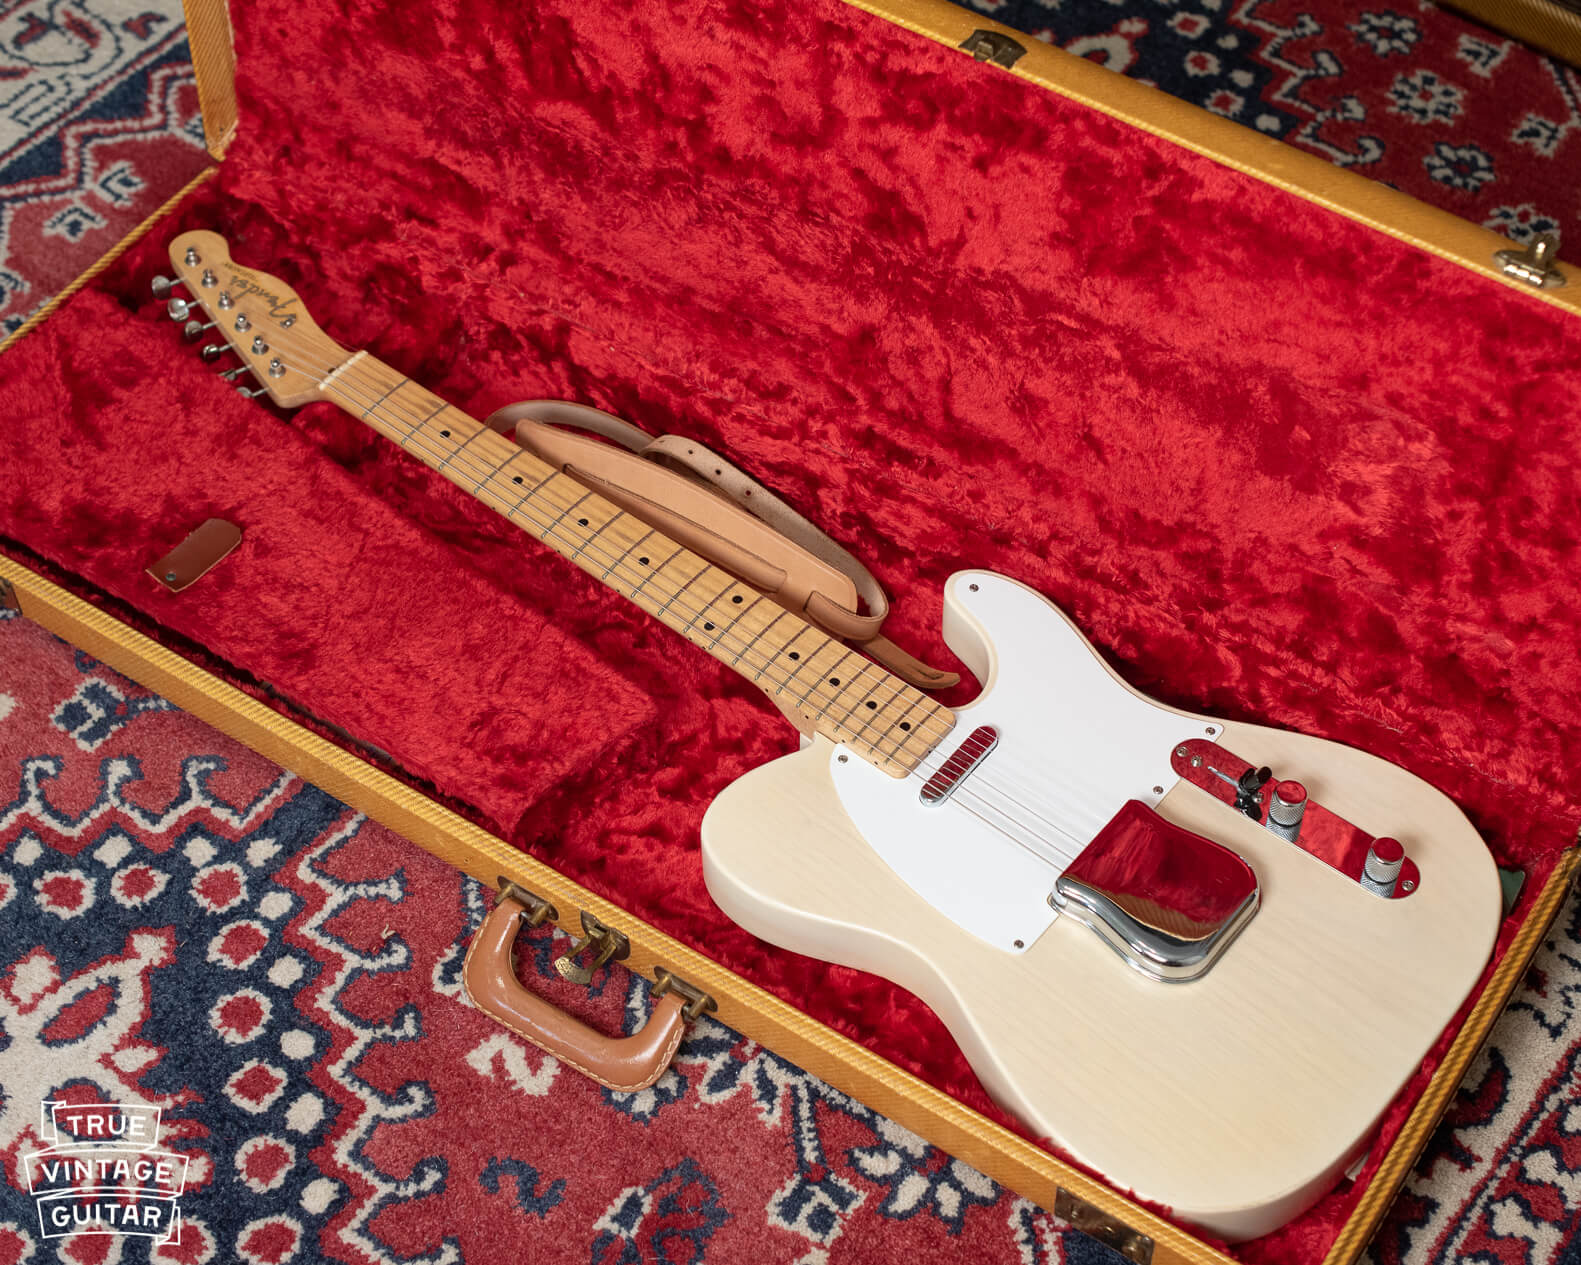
623 1063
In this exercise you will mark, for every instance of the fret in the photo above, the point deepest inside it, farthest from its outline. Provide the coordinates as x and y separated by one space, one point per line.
904 726
419 425
828 674
664 610
736 618
642 561
859 699
803 659
598 531
382 398
498 472
845 696
530 492
704 611
443 465
876 709
658 570
544 535
757 637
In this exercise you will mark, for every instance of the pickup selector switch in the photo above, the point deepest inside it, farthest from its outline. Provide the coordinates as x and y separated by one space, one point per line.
1286 808
1249 792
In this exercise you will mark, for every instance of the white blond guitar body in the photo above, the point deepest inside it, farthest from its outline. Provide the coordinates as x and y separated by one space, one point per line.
1234 1099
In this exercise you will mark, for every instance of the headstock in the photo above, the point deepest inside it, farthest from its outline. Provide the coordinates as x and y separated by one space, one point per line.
252 315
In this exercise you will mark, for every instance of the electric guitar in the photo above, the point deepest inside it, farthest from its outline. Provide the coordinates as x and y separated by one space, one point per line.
1199 957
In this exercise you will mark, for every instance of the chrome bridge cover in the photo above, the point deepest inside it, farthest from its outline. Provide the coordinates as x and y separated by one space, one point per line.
1165 899
954 771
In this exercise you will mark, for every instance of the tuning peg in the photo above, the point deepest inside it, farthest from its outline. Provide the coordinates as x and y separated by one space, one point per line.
250 394
178 309
213 352
194 328
230 375
161 286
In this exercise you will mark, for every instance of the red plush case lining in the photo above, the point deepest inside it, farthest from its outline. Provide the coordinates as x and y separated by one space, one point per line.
1277 465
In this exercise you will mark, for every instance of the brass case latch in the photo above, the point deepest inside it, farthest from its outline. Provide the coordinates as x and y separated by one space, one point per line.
608 946
994 46
1535 265
1097 1224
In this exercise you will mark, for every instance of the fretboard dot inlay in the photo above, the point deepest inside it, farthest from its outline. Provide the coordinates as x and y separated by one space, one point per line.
663 578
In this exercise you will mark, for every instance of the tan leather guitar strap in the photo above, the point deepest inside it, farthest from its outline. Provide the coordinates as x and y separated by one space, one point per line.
708 505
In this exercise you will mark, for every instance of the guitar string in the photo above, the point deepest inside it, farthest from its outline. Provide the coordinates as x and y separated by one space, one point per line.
980 782
482 475
971 792
357 390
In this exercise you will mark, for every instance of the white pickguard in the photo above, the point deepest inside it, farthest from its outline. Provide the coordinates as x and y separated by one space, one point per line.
1235 1099
1074 746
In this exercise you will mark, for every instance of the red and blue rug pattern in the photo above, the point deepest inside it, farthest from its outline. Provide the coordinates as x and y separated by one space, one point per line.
99 125
185 926
1410 94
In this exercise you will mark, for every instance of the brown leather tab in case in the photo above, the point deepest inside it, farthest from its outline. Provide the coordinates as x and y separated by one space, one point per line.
197 555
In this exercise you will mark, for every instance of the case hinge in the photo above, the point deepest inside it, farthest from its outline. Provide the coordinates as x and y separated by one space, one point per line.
1097 1224
539 911
994 46
1535 264
697 1001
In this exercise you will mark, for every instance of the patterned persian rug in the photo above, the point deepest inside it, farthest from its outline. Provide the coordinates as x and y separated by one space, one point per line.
1400 91
185 927
99 125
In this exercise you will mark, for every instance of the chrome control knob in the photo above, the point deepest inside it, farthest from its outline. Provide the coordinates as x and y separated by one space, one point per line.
1286 809
1382 868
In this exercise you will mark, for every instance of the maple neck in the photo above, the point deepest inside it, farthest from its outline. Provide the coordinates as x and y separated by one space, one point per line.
808 673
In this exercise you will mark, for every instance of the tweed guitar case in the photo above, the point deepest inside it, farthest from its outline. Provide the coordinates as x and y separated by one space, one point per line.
1289 447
